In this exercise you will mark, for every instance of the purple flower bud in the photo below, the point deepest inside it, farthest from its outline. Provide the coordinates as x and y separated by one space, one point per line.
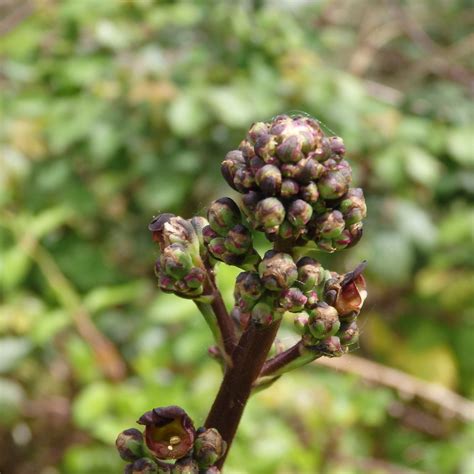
289 170
209 447
256 131
293 300
248 286
269 214
299 213
265 147
269 179
249 203
333 184
185 466
223 214
287 231
130 445
244 180
310 273
291 149
309 193
277 271
247 150
309 170
233 161
336 144
169 229
355 231
324 321
195 278
208 234
331 347
289 188
145 466
169 432
349 333
238 240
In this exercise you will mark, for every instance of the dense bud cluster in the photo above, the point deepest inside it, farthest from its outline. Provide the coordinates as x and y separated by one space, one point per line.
296 183
226 238
180 268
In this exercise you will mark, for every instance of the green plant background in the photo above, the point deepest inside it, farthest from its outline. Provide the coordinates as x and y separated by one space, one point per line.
114 111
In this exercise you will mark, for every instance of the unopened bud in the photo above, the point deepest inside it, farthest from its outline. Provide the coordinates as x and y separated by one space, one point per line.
270 213
185 466
257 130
277 271
238 240
233 161
301 322
330 225
289 188
309 193
209 447
332 184
324 321
310 273
223 214
263 313
348 333
176 261
299 213
269 180
293 300
331 347
144 466
353 206
290 149
130 445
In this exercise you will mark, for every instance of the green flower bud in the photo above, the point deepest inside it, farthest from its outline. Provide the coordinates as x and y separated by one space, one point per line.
130 445
289 188
353 206
324 321
330 225
265 147
310 273
301 322
238 240
309 193
331 347
299 213
343 240
233 161
176 261
217 248
223 214
209 447
263 313
277 271
185 466
287 231
269 180
312 299
199 224
333 184
169 432
349 333
327 245
256 131
293 300
269 214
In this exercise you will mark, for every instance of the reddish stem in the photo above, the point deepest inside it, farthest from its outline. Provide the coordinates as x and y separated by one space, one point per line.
234 392
280 360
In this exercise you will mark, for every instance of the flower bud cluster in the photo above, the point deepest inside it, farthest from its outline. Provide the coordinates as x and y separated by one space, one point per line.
170 436
296 183
330 325
226 237
180 268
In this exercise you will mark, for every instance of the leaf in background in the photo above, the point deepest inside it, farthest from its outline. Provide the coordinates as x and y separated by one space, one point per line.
422 167
11 397
187 114
461 145
12 350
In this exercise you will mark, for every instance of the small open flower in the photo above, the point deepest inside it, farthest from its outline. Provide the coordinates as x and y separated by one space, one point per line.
169 432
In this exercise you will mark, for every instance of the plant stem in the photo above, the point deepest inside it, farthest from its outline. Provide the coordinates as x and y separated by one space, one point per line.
234 392
294 357
224 322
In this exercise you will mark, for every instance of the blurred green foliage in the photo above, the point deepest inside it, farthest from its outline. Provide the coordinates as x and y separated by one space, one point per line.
114 111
